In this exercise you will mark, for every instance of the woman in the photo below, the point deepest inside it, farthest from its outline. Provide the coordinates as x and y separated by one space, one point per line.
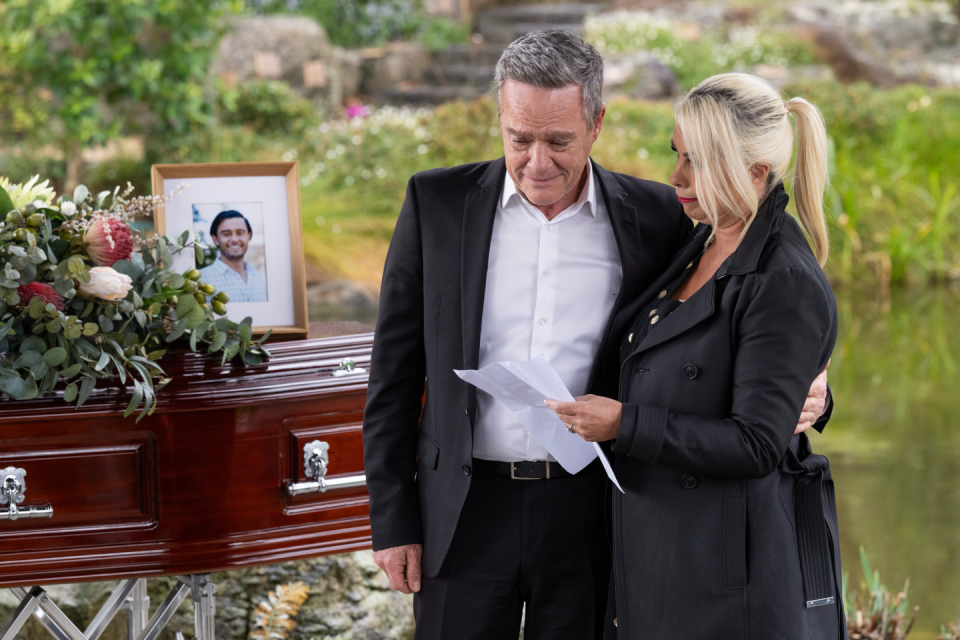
726 528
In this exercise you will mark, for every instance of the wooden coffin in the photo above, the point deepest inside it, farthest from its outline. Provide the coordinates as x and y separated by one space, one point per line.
203 483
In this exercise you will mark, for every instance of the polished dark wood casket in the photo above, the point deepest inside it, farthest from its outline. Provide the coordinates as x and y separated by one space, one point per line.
224 474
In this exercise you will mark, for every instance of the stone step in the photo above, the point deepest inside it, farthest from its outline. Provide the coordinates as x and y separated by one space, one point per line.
461 75
505 24
426 95
484 54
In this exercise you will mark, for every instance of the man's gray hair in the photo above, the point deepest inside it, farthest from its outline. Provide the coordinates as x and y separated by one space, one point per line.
553 59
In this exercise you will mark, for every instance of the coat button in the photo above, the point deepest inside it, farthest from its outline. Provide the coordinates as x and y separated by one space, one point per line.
662 294
466 470
615 622
690 371
688 482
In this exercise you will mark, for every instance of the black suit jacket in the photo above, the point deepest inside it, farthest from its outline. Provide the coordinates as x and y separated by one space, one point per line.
417 455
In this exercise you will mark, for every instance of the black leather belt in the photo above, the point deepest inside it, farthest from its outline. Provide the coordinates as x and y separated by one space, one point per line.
525 470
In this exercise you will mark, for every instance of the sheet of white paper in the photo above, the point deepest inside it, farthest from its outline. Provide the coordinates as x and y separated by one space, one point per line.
523 387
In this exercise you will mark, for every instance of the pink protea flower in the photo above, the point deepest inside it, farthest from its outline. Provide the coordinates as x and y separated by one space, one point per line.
28 292
108 240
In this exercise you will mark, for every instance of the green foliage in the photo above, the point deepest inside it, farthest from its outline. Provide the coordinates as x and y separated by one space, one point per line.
882 615
266 107
78 72
695 53
64 321
367 23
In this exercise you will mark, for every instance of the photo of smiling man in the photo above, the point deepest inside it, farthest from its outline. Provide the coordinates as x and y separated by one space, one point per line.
231 272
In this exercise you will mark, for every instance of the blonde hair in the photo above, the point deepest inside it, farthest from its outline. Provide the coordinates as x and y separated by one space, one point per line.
733 121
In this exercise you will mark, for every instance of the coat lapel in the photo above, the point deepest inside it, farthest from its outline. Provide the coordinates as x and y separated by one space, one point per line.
479 210
701 304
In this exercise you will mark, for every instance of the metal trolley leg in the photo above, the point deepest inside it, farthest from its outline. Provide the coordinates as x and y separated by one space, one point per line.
130 594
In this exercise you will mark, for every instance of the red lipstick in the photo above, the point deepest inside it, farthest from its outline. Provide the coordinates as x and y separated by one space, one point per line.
682 199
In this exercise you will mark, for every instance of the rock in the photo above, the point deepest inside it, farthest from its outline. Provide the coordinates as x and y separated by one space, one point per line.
396 64
849 63
640 75
350 69
293 49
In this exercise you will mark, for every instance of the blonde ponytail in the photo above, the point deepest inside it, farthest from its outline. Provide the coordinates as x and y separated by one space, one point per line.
733 121
810 174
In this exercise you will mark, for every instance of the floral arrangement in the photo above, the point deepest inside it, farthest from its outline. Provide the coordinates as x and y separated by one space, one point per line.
83 299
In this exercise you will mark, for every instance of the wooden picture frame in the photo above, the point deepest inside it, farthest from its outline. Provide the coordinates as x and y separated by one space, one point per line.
238 182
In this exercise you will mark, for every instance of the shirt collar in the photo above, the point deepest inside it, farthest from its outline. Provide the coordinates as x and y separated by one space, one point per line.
587 199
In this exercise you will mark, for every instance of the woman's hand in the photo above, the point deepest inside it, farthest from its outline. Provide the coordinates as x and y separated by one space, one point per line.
593 418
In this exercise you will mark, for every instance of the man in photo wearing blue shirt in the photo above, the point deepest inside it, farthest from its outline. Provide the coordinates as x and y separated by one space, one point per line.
231 233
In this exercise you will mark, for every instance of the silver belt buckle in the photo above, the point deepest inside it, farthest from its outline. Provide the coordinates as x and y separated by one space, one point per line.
513 472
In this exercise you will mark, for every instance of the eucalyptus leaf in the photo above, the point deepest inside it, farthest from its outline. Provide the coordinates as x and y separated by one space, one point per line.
70 393
230 352
55 357
106 323
15 386
135 400
127 267
103 361
90 328
71 371
28 359
178 330
198 254
186 304
217 343
86 387
33 343
176 281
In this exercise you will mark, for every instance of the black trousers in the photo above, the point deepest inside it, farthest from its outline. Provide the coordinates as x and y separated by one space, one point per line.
542 543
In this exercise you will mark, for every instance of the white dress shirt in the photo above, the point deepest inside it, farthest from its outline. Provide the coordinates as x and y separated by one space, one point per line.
551 286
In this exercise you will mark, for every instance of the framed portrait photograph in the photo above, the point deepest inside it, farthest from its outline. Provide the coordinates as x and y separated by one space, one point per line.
248 216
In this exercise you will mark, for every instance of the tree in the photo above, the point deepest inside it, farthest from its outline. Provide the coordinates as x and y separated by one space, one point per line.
76 73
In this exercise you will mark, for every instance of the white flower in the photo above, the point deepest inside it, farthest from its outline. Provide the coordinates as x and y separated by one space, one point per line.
107 283
68 208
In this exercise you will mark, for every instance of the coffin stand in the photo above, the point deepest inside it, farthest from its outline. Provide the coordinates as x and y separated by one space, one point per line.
236 467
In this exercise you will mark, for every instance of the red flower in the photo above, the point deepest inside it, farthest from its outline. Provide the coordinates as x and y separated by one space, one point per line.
108 240
28 292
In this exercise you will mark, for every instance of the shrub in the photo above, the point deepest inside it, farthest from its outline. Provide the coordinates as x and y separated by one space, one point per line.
693 52
265 106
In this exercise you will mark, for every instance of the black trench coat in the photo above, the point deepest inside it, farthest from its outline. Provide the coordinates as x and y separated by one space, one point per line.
727 528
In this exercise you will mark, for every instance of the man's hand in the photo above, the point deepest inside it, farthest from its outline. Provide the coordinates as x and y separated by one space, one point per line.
816 401
593 418
402 566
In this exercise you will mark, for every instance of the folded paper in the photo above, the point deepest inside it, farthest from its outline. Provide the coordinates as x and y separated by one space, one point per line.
523 387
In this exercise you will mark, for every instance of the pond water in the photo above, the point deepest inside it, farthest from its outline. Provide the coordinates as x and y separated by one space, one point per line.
893 442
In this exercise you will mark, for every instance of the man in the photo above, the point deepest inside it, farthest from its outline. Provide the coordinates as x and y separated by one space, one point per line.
231 233
492 261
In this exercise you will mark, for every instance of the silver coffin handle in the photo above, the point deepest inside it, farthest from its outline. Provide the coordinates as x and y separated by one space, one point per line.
13 486
316 458
345 482
28 511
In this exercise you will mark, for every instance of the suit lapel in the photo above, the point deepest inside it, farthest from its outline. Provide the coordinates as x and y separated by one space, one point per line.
479 211
624 221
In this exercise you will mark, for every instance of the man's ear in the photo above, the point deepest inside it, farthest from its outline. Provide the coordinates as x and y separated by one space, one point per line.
216 242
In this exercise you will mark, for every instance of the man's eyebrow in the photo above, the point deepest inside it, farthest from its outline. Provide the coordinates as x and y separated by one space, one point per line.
559 135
